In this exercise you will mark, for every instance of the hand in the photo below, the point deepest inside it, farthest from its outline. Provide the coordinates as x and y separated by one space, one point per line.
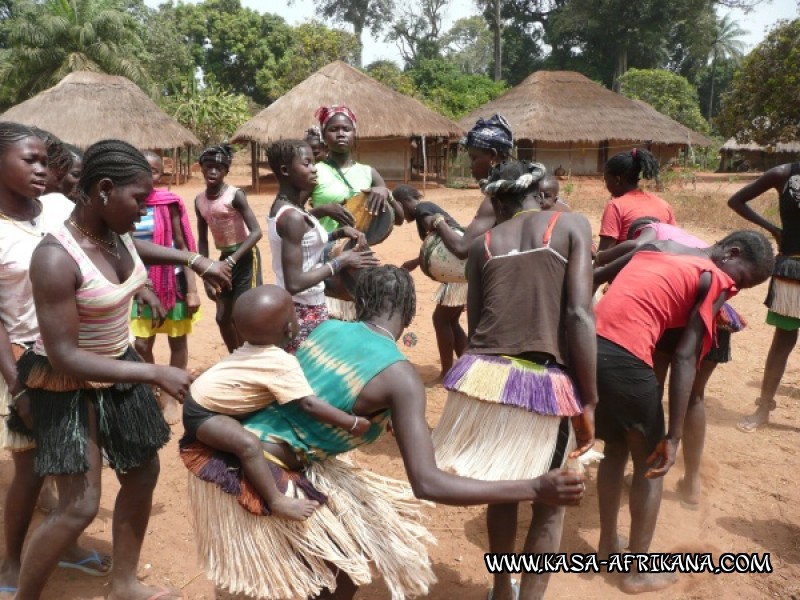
583 424
377 199
192 302
362 426
359 237
172 380
359 259
147 297
410 265
559 487
427 222
218 274
23 407
662 458
338 213
211 291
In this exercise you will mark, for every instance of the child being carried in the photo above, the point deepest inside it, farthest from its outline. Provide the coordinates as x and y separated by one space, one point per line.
255 375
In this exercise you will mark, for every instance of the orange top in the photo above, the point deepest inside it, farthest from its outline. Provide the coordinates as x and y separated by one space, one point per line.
657 291
621 212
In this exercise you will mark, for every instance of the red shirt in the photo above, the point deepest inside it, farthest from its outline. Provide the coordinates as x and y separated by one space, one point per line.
621 212
657 291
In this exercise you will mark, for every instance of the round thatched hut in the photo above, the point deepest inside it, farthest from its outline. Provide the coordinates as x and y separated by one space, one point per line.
563 119
391 126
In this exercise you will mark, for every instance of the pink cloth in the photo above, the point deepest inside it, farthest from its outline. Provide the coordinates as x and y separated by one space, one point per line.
163 276
664 231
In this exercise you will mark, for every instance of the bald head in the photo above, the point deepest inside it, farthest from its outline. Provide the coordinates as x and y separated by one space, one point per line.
264 315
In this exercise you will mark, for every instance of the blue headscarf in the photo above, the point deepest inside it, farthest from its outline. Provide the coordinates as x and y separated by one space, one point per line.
490 134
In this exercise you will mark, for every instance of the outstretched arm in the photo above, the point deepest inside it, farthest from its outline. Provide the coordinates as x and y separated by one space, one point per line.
773 179
483 221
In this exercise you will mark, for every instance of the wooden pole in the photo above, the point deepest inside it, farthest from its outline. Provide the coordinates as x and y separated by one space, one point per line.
424 164
254 164
405 164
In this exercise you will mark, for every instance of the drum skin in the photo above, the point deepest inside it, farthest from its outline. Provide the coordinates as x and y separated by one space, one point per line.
438 263
343 284
375 227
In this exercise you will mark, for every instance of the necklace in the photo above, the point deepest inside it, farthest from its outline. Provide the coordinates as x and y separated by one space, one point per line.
18 225
522 212
110 247
386 331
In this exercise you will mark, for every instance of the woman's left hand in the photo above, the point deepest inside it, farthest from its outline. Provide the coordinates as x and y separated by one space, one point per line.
217 274
354 234
192 302
147 297
378 197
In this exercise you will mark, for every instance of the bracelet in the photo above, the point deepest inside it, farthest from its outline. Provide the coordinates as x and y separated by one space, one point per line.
149 284
336 266
18 395
437 221
230 261
355 424
192 259
330 266
208 268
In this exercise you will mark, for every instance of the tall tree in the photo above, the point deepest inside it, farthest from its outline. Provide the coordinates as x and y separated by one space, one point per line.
417 30
360 14
763 104
493 12
469 44
47 41
727 45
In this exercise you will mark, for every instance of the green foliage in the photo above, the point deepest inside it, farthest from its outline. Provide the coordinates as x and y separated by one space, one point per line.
469 44
668 93
390 75
723 71
762 105
45 41
170 58
211 112
416 30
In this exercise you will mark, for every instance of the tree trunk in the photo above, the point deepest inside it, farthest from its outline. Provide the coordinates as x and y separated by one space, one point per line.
498 53
621 68
713 76
358 29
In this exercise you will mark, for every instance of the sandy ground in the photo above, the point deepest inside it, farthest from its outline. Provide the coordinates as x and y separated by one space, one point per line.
749 505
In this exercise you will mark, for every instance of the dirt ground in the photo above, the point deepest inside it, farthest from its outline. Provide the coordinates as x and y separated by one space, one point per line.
750 498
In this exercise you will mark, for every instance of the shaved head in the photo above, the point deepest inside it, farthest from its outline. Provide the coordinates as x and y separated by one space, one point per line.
261 315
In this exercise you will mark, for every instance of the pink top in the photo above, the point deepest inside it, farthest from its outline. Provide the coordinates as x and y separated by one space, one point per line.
675 234
225 222
621 212
103 306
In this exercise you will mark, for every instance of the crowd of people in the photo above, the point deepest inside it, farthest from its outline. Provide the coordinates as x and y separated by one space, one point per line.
565 342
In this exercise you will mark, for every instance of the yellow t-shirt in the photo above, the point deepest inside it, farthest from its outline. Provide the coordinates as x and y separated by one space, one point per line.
250 379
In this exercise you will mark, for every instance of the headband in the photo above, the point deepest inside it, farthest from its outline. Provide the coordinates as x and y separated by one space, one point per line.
490 134
326 113
221 153
534 172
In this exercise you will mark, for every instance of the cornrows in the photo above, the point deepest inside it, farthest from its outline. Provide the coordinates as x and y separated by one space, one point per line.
382 288
59 158
11 133
114 159
281 153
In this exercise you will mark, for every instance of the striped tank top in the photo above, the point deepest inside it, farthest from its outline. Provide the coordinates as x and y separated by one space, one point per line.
224 220
103 306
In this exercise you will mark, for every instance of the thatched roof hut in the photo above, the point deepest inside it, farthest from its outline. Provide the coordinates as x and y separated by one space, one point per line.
387 120
741 157
85 107
562 118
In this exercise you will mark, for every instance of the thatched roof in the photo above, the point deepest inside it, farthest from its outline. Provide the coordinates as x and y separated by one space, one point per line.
564 106
733 145
381 111
85 107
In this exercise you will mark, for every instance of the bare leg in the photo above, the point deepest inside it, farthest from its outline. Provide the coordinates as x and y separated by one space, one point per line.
645 502
783 343
178 352
227 434
225 322
459 335
610 475
345 588
446 338
694 436
78 501
501 523
544 535
144 347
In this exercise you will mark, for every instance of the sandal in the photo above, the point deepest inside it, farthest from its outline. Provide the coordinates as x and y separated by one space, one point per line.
85 565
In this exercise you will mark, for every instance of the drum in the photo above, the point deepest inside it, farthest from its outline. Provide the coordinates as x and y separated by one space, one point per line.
376 227
438 263
343 284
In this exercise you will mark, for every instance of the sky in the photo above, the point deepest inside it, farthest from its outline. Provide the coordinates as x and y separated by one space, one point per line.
757 22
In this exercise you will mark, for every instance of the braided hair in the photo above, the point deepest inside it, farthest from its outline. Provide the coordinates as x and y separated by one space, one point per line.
639 224
281 153
221 153
11 133
511 181
77 153
632 166
382 288
754 248
113 159
59 158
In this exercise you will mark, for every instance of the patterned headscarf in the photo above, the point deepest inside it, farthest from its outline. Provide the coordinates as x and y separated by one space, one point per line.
532 173
326 113
490 134
221 153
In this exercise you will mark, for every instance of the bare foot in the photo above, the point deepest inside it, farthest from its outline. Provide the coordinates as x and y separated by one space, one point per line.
48 498
756 420
90 562
9 577
294 509
138 591
689 492
638 583
616 546
171 409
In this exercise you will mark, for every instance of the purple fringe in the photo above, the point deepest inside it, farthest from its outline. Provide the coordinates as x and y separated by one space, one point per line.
729 319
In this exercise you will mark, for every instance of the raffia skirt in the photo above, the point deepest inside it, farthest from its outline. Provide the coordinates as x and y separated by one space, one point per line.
783 297
451 294
342 310
10 439
365 518
505 418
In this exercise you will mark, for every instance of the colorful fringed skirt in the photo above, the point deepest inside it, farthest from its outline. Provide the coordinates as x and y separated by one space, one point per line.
783 297
11 439
130 426
505 418
342 310
364 518
451 294
177 323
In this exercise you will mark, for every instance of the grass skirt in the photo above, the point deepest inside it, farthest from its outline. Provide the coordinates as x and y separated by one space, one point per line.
451 294
131 427
366 519
10 439
342 310
505 418
783 297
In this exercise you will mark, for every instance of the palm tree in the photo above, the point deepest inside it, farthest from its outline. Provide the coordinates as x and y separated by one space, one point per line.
55 38
726 46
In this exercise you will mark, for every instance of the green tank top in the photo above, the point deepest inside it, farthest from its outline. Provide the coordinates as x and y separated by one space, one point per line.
332 188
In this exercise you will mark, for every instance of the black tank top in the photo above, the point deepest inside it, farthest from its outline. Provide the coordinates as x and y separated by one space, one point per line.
790 213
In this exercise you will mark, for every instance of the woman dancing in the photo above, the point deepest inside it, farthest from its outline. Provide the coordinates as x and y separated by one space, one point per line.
530 364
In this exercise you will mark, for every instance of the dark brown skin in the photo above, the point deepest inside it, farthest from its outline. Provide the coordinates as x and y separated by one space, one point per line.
774 179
